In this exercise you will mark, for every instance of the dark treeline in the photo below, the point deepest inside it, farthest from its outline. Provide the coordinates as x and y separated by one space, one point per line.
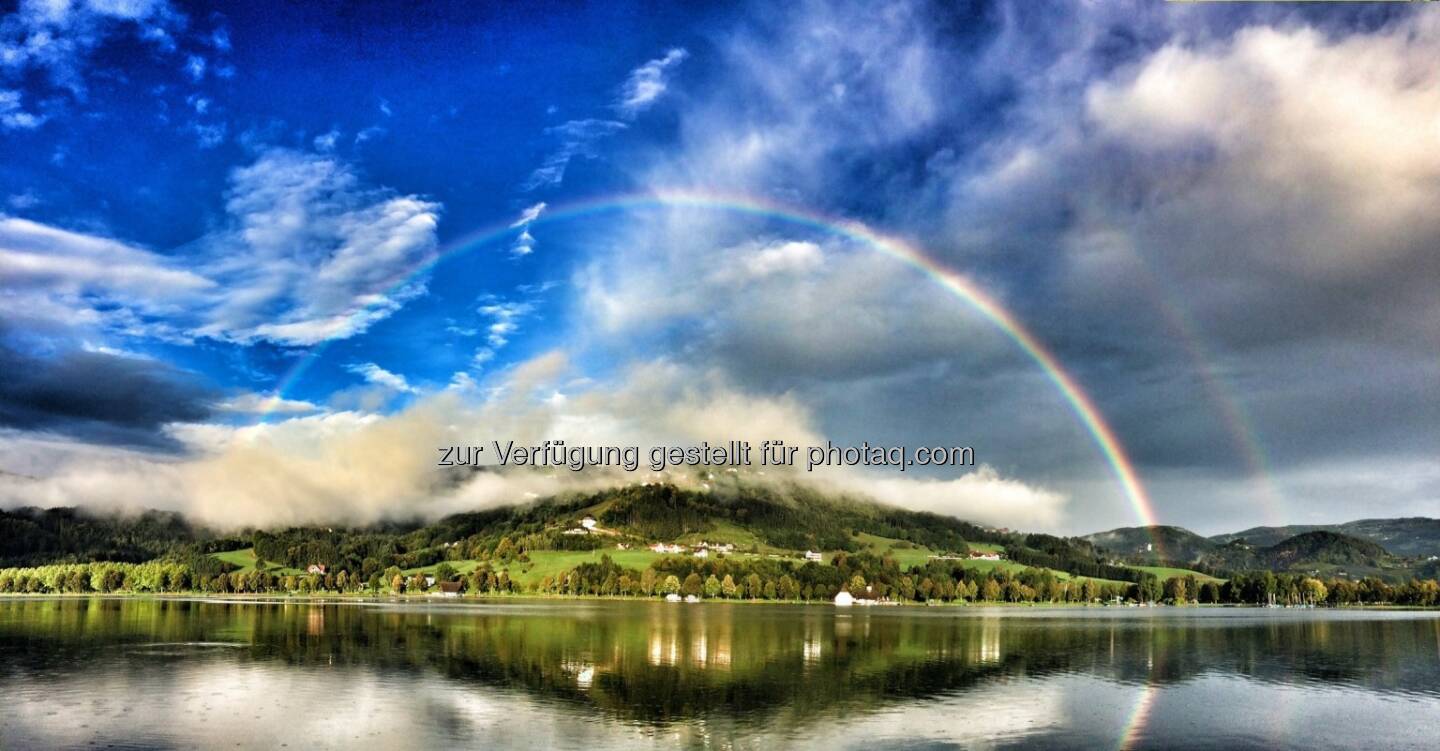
1071 555
31 536
863 575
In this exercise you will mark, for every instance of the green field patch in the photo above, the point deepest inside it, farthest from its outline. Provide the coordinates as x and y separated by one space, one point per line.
244 561
1166 573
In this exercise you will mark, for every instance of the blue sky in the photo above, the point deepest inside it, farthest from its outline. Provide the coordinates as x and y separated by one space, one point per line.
1215 217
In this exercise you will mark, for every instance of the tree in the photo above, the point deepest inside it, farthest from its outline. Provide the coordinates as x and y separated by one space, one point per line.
1315 592
1149 589
1175 591
752 586
647 582
444 573
727 586
712 586
788 589
671 585
692 585
991 590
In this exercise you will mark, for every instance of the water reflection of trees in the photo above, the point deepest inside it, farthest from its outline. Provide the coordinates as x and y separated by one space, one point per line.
655 663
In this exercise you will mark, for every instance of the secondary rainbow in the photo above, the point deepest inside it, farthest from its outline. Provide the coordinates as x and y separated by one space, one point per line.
960 285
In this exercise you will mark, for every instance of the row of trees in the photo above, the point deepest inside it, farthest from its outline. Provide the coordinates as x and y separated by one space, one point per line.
732 578
863 575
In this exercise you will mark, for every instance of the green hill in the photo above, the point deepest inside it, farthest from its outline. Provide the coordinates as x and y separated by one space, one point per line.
1310 550
759 518
1323 548
1158 544
32 536
1415 536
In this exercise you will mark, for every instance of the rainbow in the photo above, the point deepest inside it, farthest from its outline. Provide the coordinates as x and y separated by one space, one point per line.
1233 415
958 284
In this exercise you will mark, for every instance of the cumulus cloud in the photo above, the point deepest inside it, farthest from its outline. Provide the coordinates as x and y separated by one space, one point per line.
648 83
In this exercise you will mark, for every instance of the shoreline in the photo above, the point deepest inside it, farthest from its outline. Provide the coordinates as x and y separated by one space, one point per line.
354 598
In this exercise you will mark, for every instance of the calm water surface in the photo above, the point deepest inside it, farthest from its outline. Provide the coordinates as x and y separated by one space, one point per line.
128 673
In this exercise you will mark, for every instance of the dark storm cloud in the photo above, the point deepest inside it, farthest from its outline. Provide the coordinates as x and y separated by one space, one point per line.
1219 219
99 397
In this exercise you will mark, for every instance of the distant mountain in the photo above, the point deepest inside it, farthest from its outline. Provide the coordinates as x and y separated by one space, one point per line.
1415 536
790 516
1309 550
1322 547
1158 544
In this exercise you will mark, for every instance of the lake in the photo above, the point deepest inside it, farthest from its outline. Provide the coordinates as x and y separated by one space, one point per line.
143 673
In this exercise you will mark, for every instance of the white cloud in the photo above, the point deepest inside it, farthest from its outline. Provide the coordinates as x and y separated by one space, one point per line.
312 253
529 215
783 258
648 82
253 403
195 67
13 115
58 38
36 255
577 139
53 276
524 244
504 320
379 376
325 142
982 496
358 468
504 317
